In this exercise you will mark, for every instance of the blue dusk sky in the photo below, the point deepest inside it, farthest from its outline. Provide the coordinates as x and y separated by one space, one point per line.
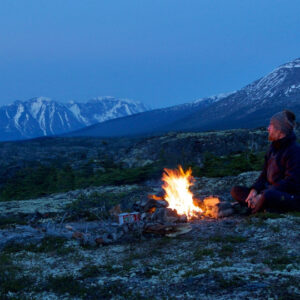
159 52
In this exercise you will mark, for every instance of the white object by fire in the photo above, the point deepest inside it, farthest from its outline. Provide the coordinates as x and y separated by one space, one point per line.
128 217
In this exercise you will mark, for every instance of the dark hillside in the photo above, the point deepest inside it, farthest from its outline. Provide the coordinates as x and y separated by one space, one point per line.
48 165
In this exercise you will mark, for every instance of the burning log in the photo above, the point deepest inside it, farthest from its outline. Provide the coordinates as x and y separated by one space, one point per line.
216 208
148 204
166 215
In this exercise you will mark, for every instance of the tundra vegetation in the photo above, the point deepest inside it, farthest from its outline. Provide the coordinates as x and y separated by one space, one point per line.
40 180
238 257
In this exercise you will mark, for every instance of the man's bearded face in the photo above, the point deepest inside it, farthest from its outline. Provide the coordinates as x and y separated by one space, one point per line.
274 133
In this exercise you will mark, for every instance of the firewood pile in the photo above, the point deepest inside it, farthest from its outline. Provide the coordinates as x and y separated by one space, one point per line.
151 217
157 218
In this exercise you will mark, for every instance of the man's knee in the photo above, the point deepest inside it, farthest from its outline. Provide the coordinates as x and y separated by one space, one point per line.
239 193
234 192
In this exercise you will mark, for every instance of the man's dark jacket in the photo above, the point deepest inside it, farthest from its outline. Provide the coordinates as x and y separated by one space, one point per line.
281 170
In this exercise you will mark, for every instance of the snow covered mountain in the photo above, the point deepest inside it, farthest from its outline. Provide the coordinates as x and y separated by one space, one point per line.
249 107
283 81
153 121
42 116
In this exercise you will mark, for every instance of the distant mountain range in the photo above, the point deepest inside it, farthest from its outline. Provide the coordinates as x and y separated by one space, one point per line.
249 107
43 116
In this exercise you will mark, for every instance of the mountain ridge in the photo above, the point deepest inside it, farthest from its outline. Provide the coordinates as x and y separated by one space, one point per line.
249 107
42 116
146 122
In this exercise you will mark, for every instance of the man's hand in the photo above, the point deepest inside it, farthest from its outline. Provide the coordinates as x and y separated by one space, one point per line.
257 203
251 195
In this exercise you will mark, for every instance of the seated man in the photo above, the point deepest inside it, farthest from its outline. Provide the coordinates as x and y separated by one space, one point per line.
278 186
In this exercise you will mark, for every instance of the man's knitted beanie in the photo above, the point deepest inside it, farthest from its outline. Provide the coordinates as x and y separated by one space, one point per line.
281 122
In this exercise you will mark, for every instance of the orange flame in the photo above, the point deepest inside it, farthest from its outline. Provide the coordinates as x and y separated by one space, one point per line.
176 186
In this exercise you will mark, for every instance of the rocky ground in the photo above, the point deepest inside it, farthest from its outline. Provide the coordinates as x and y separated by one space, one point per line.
237 257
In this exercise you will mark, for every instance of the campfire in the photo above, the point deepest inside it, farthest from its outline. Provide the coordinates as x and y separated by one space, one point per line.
177 185
171 212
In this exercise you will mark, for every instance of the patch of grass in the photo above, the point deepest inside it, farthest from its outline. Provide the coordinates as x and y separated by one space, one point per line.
228 239
111 269
200 253
280 262
294 213
170 262
110 290
48 244
196 271
127 266
286 290
275 247
11 278
275 228
133 255
269 251
224 263
88 247
235 239
258 219
250 253
162 241
251 221
65 284
5 259
149 272
89 271
10 281
5 221
267 215
226 251
216 239
228 283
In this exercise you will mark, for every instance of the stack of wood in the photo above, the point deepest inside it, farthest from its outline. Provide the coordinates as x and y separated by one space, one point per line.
215 208
158 218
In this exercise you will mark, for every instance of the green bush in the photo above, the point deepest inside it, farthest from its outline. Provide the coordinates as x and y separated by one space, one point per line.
38 181
229 165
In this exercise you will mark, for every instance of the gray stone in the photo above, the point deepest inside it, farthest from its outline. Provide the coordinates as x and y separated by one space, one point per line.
159 215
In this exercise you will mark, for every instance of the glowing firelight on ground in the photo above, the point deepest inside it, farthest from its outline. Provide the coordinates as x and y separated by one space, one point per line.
177 185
